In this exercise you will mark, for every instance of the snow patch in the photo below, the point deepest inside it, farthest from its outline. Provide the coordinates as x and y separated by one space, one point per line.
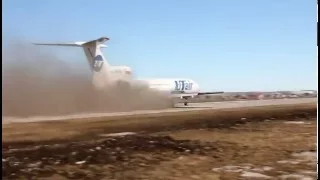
296 176
254 175
296 122
118 134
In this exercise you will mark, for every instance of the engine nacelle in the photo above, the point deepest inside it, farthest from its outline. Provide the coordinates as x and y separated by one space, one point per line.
120 73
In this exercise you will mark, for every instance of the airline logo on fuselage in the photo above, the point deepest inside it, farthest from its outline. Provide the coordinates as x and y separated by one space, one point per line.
97 63
183 85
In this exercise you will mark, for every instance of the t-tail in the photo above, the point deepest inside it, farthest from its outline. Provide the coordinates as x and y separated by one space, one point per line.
98 64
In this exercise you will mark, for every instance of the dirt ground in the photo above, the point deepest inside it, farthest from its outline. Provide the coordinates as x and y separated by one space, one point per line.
89 128
272 147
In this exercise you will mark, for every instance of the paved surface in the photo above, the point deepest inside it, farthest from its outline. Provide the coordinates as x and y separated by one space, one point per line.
179 108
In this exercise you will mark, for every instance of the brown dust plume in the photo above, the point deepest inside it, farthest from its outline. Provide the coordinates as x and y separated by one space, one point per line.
36 84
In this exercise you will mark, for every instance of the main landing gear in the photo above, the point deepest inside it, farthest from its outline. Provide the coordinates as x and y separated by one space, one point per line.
176 101
185 103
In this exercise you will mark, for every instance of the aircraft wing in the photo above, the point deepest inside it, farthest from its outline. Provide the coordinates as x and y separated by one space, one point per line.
208 93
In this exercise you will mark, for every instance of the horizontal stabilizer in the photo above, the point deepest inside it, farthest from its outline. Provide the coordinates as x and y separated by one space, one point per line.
98 42
76 44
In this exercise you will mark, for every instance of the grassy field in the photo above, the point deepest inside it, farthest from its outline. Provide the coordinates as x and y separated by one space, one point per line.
92 128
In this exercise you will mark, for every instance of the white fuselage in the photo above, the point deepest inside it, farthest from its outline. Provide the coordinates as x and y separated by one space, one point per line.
176 87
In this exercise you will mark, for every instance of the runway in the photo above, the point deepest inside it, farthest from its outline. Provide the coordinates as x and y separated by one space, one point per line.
179 108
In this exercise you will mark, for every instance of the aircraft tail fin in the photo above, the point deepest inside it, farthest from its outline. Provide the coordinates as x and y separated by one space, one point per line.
98 64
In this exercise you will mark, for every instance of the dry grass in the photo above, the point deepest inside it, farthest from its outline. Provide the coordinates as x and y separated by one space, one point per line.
89 128
182 145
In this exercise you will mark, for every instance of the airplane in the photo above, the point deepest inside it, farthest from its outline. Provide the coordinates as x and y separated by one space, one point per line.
105 74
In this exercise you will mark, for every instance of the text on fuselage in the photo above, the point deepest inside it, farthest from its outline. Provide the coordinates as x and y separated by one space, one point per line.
183 85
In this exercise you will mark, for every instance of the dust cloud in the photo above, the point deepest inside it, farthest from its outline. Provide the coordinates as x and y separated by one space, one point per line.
35 83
